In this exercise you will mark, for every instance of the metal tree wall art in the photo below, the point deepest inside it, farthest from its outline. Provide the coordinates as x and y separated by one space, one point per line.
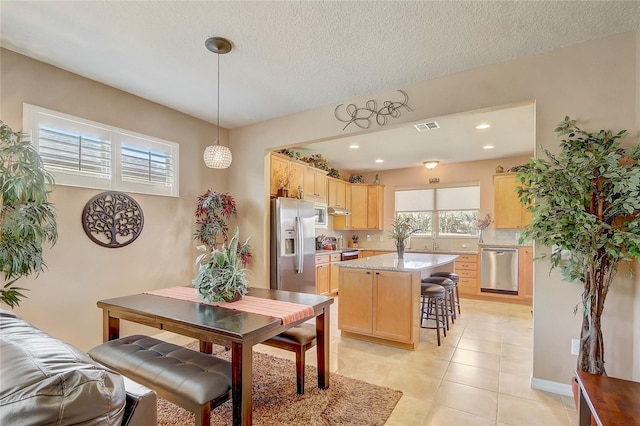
112 219
362 116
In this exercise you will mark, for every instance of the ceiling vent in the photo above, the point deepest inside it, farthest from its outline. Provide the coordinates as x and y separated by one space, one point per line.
429 125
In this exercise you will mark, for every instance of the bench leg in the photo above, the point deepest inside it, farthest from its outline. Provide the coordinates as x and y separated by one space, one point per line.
300 358
203 416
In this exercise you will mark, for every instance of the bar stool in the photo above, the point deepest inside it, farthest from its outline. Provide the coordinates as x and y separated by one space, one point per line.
453 277
449 295
433 297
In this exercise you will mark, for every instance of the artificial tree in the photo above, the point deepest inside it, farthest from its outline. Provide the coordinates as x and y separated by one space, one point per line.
27 218
587 211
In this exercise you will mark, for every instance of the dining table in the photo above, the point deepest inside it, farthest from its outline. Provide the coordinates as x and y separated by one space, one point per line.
225 325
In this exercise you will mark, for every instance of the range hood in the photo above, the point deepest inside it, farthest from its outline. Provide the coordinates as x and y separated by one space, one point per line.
338 211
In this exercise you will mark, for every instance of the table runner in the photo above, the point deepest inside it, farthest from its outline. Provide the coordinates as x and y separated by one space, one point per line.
287 312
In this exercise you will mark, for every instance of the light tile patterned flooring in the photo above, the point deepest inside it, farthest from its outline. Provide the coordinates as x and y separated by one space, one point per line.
479 376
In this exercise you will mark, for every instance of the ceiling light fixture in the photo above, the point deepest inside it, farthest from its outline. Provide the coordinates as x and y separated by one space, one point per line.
488 147
218 156
354 146
379 160
483 126
431 164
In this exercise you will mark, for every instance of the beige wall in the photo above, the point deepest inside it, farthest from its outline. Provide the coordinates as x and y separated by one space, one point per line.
595 82
62 301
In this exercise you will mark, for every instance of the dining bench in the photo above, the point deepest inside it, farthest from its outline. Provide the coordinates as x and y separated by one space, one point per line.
195 381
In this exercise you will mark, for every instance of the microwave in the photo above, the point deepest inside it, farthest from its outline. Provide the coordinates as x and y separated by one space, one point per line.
320 212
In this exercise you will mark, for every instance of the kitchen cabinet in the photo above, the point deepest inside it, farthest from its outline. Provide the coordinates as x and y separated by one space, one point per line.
337 193
315 185
367 206
525 273
466 266
343 223
323 274
509 213
380 306
369 253
281 164
334 270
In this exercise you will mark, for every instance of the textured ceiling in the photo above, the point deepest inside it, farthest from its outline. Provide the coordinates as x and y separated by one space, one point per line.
291 56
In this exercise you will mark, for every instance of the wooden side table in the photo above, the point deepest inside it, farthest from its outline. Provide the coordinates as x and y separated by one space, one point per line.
611 401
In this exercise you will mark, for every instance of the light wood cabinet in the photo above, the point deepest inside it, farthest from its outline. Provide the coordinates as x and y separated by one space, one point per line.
466 266
369 253
335 273
343 223
280 164
525 273
367 206
323 274
355 301
379 304
315 185
337 193
509 213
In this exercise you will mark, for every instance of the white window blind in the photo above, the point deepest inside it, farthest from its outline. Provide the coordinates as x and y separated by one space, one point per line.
414 200
87 154
458 198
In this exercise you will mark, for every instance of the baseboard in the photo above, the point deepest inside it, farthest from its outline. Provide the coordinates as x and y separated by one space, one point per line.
553 387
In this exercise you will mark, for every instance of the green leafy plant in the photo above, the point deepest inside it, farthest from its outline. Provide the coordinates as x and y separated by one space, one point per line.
587 211
27 219
221 277
402 228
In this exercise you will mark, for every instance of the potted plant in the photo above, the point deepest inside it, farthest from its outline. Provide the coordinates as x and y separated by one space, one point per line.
221 274
27 218
401 229
587 210
284 177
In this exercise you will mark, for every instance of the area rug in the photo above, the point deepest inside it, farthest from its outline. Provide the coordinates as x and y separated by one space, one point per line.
275 401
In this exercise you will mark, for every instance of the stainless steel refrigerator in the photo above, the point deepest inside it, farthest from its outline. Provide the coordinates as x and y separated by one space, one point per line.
293 245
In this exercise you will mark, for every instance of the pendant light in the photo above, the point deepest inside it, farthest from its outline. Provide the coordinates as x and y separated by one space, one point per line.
218 156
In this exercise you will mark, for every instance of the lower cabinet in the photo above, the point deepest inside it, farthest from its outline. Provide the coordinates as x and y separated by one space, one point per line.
323 276
334 270
382 305
466 266
525 273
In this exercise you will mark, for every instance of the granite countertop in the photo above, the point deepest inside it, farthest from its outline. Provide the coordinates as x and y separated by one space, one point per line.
319 252
424 251
412 262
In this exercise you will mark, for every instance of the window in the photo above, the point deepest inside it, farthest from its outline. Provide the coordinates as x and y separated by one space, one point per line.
92 155
444 212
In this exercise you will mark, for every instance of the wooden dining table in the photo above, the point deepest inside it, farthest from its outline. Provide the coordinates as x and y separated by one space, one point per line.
223 326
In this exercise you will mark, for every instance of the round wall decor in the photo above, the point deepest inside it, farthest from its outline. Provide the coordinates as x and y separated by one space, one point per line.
112 219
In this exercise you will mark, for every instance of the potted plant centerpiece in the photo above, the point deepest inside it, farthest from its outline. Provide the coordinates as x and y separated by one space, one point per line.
221 274
401 229
587 210
27 218
482 224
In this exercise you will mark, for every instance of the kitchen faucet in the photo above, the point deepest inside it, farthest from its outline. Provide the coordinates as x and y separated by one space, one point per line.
435 243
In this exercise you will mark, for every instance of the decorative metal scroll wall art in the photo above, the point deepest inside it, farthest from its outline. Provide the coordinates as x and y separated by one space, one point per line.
112 219
362 116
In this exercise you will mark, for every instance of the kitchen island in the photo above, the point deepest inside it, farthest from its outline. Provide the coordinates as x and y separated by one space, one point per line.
379 296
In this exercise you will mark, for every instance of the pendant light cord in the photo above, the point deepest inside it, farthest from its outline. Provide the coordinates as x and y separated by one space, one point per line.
218 54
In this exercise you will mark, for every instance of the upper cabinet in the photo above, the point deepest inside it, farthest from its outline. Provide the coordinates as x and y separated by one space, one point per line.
509 213
315 185
367 206
312 181
337 193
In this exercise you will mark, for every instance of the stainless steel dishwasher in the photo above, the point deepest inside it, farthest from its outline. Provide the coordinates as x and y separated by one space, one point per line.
499 270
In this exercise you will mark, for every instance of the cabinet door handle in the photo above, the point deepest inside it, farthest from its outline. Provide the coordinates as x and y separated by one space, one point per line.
377 273
368 272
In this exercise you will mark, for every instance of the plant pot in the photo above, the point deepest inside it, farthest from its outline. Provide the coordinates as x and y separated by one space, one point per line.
400 249
283 192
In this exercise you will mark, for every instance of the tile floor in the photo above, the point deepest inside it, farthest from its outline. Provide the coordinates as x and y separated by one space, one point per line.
479 376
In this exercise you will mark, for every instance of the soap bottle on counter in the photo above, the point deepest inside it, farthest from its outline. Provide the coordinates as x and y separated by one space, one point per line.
340 243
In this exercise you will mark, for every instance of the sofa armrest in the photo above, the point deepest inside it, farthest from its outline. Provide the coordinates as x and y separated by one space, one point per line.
141 405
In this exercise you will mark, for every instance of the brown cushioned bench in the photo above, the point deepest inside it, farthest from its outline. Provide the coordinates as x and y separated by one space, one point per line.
297 339
195 381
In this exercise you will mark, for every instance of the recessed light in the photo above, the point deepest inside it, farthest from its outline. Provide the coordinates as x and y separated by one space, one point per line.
354 146
431 164
379 161
488 147
483 126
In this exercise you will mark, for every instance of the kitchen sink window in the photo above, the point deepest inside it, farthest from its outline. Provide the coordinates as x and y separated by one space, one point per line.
441 212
